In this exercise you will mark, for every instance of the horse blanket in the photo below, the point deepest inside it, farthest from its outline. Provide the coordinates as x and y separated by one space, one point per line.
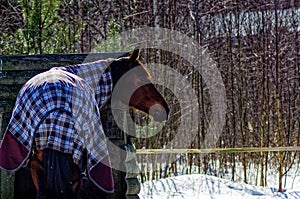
59 109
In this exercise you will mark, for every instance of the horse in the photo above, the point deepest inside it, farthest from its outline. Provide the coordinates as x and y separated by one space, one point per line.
56 123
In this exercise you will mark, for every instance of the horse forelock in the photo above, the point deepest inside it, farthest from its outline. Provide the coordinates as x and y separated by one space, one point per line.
145 69
122 65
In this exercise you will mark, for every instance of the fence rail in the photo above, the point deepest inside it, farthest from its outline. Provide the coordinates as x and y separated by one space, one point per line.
217 150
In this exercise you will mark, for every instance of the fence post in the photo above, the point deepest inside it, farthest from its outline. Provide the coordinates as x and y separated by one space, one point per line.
126 182
132 170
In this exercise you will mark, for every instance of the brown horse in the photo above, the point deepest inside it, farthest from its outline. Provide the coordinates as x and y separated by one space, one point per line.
72 96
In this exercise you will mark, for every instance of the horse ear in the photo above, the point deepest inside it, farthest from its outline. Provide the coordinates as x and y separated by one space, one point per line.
134 55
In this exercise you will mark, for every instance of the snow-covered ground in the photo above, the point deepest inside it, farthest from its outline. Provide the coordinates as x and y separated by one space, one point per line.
198 186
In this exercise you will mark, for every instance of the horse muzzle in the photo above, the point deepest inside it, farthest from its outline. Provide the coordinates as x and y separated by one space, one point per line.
159 113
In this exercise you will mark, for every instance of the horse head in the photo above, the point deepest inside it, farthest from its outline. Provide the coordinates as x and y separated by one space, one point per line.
137 88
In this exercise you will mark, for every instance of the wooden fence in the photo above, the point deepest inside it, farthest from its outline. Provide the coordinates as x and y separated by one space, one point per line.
218 150
14 72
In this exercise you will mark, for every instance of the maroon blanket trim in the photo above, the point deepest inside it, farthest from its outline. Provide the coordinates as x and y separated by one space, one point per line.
13 154
101 176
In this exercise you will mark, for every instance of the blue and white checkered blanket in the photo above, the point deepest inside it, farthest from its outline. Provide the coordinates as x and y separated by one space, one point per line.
60 110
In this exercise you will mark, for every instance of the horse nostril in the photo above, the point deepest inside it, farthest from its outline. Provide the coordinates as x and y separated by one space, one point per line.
158 113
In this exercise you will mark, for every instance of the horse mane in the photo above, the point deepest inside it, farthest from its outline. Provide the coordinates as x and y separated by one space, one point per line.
52 76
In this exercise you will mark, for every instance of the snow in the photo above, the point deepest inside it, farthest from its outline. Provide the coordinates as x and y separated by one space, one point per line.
198 186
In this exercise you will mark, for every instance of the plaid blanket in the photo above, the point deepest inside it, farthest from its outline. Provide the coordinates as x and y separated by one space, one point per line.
59 109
